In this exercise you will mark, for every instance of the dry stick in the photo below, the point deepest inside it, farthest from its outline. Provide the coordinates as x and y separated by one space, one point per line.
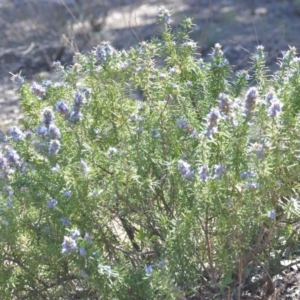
76 20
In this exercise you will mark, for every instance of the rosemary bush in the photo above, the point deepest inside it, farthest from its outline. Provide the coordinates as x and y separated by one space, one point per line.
151 174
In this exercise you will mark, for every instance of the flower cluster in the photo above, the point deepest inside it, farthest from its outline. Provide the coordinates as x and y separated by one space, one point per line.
163 15
249 176
225 104
184 169
9 161
213 119
69 244
63 109
103 52
38 90
204 170
274 105
48 129
251 101
17 80
16 133
260 149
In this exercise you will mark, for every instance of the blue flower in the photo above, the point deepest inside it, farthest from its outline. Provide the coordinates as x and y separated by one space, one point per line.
219 170
247 174
54 132
62 108
17 80
68 193
82 251
182 123
103 52
54 147
204 173
48 116
52 203
16 133
225 104
65 221
75 233
68 245
42 131
149 269
163 15
272 214
38 90
13 158
275 109
251 100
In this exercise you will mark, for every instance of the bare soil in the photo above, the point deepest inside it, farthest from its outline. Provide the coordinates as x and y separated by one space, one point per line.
36 32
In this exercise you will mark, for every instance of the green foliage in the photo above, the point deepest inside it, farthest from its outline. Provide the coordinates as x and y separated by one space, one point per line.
150 174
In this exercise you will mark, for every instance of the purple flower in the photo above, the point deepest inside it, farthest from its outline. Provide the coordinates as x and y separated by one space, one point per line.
182 123
139 130
149 269
163 15
69 245
251 100
13 158
272 214
75 233
17 80
62 108
183 167
204 173
270 97
54 132
54 147
225 104
16 133
253 185
275 109
79 97
65 221
38 90
82 251
103 52
88 237
48 116
42 131
68 193
58 68
3 162
155 133
219 170
76 116
132 117
212 122
247 174
52 203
